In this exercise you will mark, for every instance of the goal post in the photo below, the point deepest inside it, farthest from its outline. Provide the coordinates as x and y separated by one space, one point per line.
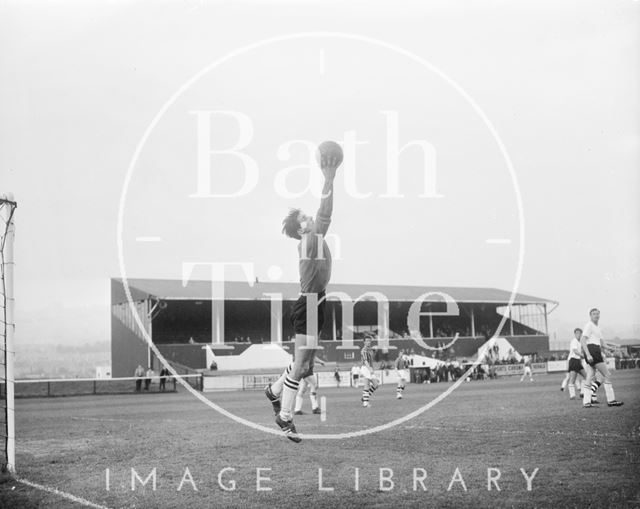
7 327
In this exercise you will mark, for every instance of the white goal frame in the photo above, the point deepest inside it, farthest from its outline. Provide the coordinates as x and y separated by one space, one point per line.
7 323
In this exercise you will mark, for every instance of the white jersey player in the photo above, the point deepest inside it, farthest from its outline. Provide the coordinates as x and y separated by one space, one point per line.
575 367
592 343
527 369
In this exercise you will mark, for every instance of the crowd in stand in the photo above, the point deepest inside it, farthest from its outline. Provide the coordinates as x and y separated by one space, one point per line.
630 362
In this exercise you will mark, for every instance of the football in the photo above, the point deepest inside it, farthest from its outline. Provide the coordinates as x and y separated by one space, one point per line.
329 149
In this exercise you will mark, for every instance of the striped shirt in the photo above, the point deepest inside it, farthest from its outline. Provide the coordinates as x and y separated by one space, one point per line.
367 356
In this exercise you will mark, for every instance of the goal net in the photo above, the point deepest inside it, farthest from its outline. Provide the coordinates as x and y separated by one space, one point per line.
7 328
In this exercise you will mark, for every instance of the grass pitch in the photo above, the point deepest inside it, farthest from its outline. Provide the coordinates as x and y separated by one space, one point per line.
444 457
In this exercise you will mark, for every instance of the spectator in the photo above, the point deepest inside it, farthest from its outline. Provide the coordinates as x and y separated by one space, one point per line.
385 356
355 374
148 377
336 375
139 373
164 373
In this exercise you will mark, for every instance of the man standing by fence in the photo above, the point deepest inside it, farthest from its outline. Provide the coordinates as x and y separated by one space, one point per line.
139 373
148 377
164 372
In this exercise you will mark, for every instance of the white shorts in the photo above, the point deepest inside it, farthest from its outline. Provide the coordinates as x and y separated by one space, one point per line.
367 373
527 370
403 374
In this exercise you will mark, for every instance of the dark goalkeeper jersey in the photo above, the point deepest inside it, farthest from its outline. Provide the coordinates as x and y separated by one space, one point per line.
315 258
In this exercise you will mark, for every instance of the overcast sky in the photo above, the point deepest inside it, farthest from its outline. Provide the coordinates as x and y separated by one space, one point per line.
551 87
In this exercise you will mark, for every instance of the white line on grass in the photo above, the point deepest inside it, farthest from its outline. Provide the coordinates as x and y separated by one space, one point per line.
60 493
99 419
545 433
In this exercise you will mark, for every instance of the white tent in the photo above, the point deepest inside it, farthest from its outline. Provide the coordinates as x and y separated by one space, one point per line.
420 361
255 357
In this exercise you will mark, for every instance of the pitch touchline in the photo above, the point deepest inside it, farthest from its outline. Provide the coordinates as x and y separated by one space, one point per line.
63 494
594 434
98 419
